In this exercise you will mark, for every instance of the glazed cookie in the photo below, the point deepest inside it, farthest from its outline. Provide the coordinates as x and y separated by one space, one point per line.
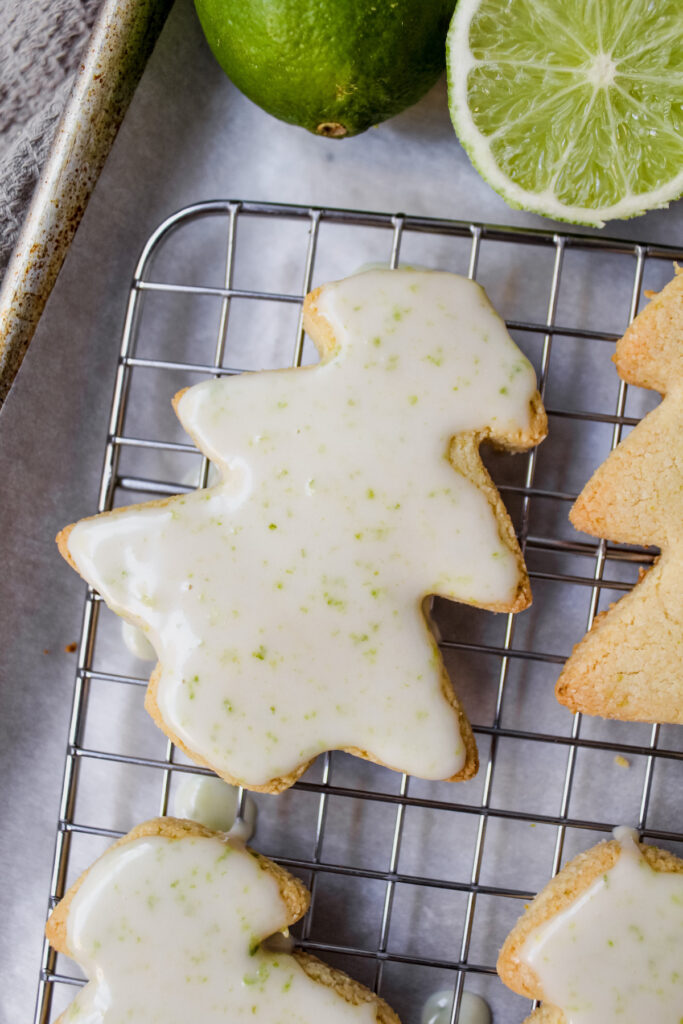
630 665
168 926
602 941
287 602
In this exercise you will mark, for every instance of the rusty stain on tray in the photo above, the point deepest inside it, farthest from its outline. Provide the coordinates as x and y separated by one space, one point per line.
122 40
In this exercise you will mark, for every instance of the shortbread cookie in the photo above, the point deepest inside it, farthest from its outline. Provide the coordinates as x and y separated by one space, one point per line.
287 603
169 924
630 665
602 942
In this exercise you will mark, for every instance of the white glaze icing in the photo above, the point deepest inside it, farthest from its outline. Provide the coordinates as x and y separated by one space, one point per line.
136 641
615 954
191 478
285 602
168 931
135 638
439 1007
627 838
213 803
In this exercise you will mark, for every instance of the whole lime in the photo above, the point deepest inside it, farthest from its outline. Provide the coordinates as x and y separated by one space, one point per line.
335 67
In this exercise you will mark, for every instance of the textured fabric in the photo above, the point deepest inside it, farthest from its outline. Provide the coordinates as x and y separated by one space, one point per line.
40 48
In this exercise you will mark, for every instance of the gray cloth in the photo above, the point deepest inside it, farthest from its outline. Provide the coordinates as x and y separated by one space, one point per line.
40 49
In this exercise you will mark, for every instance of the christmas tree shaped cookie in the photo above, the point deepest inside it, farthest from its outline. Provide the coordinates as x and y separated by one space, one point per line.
169 924
601 943
630 665
286 603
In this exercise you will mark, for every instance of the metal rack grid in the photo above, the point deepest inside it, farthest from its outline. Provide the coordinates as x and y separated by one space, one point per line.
400 797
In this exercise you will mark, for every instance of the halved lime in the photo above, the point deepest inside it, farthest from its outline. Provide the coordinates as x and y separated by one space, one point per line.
571 108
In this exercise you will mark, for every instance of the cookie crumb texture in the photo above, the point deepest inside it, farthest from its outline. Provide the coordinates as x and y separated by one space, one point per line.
168 926
285 603
630 665
602 942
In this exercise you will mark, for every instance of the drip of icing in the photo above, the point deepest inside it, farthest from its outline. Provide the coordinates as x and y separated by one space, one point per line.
628 841
171 930
136 641
439 1007
213 803
615 954
280 942
285 602
242 829
191 478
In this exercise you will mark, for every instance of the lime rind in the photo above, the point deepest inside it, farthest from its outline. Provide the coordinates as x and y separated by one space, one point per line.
586 131
336 69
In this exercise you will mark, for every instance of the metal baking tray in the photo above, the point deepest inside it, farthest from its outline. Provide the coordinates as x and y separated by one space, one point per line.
415 884
122 40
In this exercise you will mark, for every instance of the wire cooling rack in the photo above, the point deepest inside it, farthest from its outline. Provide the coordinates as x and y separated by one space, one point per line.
414 884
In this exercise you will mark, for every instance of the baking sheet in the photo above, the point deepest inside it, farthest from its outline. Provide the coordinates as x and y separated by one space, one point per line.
122 39
189 135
